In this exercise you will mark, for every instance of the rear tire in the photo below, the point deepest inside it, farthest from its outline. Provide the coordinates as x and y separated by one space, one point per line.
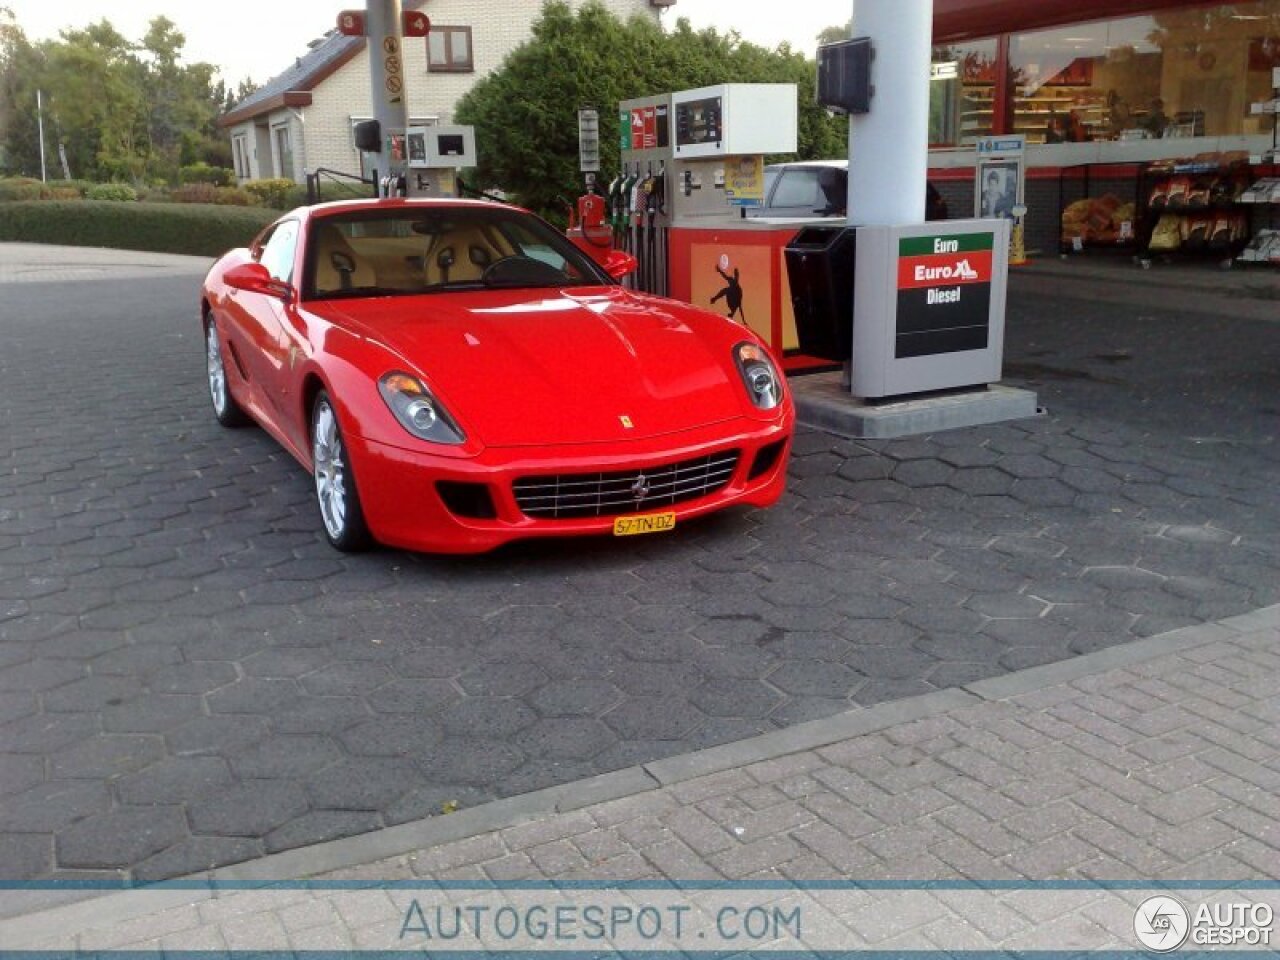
225 408
336 495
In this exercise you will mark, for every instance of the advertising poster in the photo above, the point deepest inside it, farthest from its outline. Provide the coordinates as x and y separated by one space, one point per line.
744 181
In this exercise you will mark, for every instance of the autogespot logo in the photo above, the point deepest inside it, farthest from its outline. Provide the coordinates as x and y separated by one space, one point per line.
1161 924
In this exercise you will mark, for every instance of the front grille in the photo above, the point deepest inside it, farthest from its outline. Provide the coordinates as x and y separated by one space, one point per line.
574 496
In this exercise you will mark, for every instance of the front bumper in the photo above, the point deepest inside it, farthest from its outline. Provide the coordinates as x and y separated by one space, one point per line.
403 507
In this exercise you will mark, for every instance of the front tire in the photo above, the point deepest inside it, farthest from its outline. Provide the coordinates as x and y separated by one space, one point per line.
225 408
336 494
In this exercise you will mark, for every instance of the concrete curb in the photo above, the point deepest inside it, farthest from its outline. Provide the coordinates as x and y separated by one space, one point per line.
89 911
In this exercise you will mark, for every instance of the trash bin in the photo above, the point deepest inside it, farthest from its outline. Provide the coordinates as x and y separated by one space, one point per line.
820 267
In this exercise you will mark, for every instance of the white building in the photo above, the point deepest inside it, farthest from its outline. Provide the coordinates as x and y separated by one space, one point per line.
303 119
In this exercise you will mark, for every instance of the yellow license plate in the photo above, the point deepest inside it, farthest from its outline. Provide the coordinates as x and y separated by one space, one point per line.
648 523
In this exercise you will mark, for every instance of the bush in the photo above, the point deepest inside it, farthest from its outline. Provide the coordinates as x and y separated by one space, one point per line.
233 197
194 193
115 192
27 188
67 189
162 228
205 173
278 193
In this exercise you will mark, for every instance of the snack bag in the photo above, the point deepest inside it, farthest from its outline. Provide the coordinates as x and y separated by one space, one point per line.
1167 235
1195 231
1179 187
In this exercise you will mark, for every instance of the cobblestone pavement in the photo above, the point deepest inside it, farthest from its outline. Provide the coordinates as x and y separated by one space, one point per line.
189 676
1165 769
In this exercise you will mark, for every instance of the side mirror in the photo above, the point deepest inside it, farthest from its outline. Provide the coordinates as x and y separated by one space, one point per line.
255 278
618 264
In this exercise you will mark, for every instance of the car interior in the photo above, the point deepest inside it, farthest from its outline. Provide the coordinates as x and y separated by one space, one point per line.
446 249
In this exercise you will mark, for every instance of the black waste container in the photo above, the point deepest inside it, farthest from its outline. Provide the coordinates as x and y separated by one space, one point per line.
820 263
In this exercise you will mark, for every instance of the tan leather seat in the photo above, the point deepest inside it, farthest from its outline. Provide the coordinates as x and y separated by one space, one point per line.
338 266
462 255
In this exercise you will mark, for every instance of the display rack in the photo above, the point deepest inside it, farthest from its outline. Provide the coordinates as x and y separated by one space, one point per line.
1076 184
1203 203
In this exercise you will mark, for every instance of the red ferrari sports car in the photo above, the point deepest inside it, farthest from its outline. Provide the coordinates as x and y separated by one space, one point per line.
456 375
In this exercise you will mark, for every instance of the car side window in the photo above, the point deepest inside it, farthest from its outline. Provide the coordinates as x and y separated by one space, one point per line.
277 253
797 188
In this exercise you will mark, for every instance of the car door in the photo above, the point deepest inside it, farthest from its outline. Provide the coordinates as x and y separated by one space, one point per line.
265 322
796 194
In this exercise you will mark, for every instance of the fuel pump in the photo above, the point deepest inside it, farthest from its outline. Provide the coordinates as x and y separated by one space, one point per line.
698 156
435 156
588 223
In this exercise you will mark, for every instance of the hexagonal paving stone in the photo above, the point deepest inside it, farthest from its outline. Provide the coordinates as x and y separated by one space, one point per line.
223 734
468 761
264 695
486 717
347 679
574 697
412 696
50 806
287 757
564 738
106 756
197 677
26 856
923 473
19 772
250 808
502 679
982 481
815 678
392 736
124 835
38 675
654 718
175 780
736 697
1006 606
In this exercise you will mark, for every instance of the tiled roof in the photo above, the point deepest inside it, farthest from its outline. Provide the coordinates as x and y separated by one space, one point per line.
316 64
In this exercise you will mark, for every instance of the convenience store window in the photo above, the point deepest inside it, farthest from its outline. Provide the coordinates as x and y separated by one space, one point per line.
962 93
1182 73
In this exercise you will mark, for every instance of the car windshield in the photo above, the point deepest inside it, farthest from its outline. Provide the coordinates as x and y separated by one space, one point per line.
406 250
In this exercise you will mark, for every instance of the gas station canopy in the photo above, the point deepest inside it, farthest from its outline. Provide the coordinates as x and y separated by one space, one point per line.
956 20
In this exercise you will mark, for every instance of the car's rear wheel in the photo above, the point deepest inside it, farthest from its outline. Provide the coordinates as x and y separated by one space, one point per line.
336 493
225 407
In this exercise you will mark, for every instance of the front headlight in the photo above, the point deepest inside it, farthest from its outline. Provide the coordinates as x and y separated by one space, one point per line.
762 381
417 410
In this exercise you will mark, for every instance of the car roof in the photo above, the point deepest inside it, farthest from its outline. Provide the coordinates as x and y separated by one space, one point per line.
808 165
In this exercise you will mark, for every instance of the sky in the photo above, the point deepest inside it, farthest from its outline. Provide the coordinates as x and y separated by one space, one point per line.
259 38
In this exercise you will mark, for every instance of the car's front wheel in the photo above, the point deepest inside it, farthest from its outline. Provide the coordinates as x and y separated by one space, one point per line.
336 493
225 407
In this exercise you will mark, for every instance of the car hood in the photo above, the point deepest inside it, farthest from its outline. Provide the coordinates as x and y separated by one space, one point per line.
519 368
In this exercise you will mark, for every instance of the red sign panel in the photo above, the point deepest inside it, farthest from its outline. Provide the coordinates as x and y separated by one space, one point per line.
351 23
415 24
650 128
637 129
954 269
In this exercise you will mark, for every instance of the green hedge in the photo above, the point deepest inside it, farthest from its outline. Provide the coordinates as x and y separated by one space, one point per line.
160 227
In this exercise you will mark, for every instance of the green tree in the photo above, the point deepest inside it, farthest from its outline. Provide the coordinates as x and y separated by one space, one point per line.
123 110
835 34
20 67
525 113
